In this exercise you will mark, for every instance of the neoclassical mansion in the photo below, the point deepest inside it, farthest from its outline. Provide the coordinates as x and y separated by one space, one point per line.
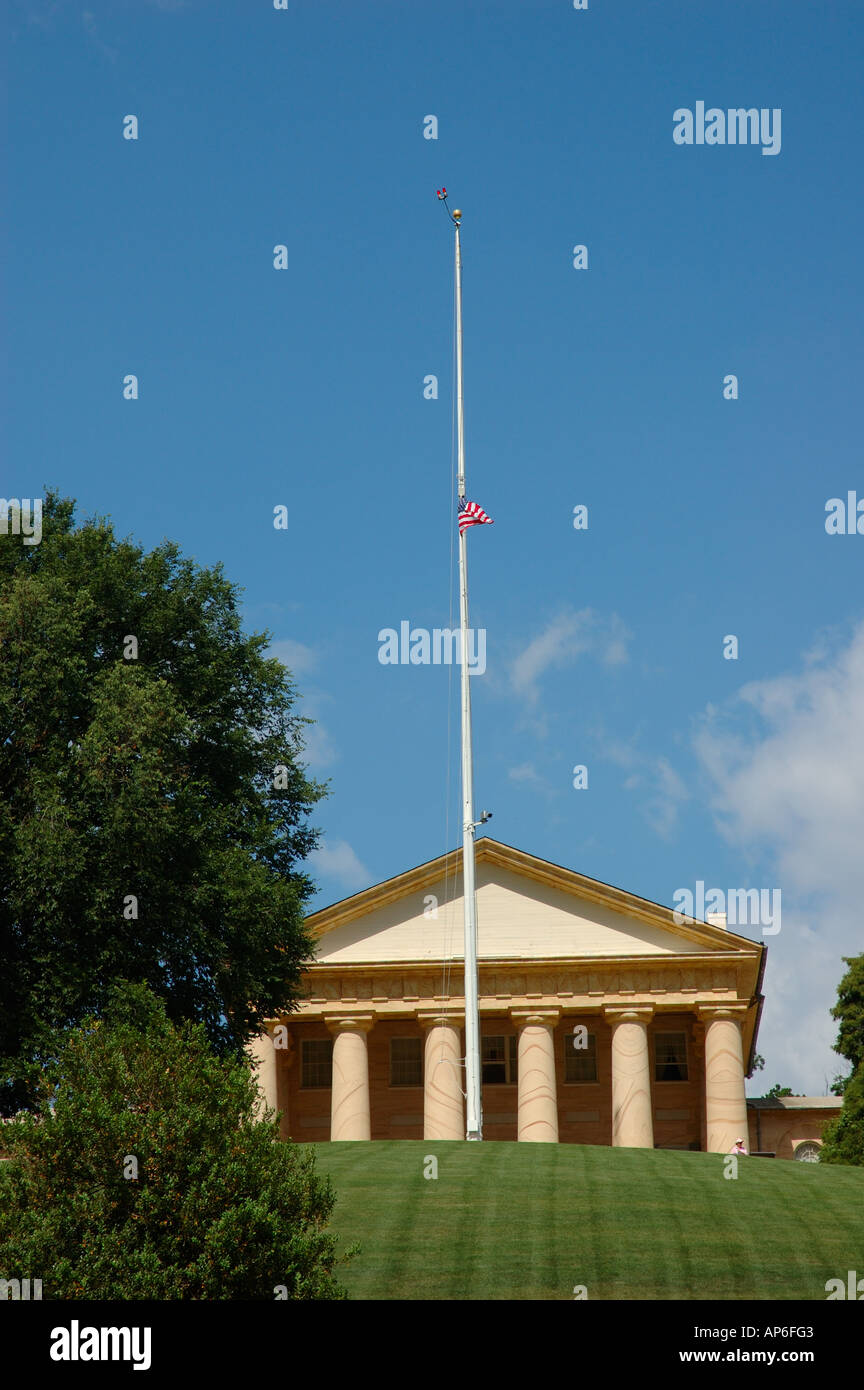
603 1021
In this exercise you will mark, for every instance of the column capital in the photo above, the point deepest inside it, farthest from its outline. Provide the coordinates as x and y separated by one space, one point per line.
442 1018
534 1017
709 1012
349 1023
639 1013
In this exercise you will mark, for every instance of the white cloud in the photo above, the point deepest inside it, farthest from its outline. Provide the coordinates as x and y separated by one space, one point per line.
335 859
299 658
319 750
618 752
663 790
525 772
785 762
88 19
668 796
797 785
568 636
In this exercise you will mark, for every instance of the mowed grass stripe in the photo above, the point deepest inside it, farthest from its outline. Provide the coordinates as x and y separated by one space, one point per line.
530 1221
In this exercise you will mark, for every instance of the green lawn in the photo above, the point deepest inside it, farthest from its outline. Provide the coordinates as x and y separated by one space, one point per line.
532 1220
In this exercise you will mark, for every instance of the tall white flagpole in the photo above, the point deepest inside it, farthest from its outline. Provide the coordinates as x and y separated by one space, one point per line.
473 1105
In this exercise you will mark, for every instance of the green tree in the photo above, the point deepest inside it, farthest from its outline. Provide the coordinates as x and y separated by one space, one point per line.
849 1009
145 1174
843 1140
152 800
778 1090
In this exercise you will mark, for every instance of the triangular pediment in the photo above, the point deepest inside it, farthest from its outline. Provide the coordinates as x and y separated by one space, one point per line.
527 909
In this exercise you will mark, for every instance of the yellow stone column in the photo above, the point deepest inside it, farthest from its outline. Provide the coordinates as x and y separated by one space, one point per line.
725 1100
263 1054
632 1114
350 1116
538 1090
443 1116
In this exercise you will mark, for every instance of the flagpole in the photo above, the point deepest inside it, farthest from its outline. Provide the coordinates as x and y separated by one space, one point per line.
473 1107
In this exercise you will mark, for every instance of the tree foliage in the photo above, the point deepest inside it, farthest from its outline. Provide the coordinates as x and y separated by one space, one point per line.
145 1174
849 1009
843 1140
141 834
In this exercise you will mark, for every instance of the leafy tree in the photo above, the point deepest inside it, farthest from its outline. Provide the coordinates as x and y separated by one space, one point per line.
849 1009
838 1085
778 1090
843 1140
152 802
145 1173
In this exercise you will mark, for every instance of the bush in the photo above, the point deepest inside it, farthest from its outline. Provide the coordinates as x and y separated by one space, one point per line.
843 1140
145 1174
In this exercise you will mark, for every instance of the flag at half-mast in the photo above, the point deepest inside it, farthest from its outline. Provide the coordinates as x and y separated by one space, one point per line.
472 515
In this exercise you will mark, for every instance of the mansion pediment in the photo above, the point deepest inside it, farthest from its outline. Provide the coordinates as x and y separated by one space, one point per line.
527 909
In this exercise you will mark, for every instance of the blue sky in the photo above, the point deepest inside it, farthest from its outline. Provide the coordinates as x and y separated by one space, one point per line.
603 387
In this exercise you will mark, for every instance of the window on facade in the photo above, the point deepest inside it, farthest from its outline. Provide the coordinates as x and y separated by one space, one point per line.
316 1063
807 1153
498 1057
406 1061
580 1063
670 1056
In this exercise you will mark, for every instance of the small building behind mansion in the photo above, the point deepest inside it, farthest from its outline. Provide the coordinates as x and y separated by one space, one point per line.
603 1021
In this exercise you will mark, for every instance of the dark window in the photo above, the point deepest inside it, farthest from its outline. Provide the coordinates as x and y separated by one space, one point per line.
316 1065
498 1056
406 1061
580 1063
670 1056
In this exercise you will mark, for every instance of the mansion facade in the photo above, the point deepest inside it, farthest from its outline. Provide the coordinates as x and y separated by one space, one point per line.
602 1020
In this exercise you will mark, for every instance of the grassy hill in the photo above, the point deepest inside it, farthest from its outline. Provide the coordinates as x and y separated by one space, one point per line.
516 1221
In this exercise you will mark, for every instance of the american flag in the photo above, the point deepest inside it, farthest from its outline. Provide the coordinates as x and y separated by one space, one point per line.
471 515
